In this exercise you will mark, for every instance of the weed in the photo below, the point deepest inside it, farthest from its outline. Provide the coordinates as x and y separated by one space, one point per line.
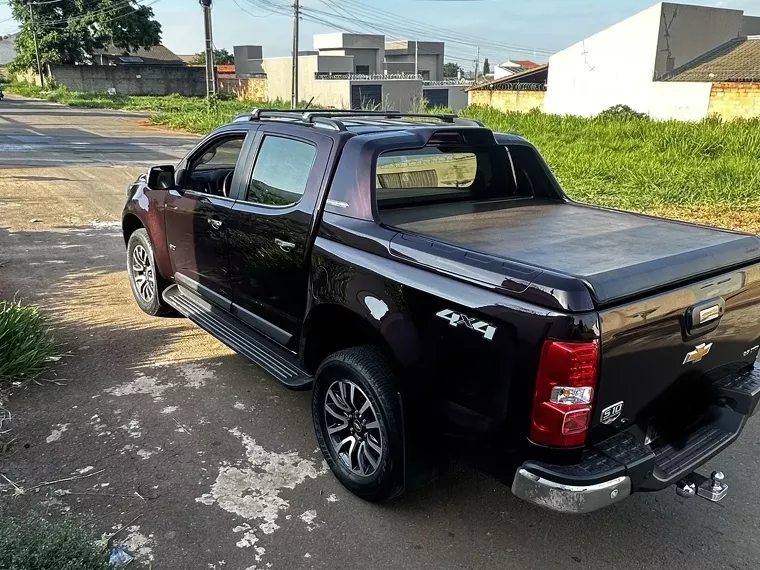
33 543
26 342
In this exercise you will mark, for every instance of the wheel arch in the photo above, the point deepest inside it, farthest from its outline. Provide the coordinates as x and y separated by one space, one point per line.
330 327
131 222
129 225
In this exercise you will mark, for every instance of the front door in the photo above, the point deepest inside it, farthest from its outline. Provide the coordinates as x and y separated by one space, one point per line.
270 231
198 216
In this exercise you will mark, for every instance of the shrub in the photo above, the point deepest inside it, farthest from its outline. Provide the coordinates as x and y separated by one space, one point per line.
26 341
33 543
622 112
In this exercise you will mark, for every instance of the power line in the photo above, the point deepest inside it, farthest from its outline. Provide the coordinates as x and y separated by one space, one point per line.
356 25
55 24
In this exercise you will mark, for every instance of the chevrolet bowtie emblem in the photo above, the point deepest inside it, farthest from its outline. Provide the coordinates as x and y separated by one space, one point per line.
698 353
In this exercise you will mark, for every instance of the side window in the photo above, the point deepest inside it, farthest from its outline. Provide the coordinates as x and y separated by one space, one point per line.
281 171
211 171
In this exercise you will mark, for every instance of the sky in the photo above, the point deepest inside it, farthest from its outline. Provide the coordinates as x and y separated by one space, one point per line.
504 29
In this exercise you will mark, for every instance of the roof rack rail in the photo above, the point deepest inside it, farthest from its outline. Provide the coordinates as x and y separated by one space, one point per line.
331 118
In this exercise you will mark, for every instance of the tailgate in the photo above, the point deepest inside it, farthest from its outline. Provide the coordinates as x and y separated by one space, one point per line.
660 354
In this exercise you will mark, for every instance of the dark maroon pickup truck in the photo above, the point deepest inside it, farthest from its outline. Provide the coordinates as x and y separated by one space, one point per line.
433 285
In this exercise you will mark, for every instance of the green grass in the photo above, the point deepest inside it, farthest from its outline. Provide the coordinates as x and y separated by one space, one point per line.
617 160
32 543
26 343
638 163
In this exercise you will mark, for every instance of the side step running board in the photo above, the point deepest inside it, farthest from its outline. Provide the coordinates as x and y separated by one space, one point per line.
239 337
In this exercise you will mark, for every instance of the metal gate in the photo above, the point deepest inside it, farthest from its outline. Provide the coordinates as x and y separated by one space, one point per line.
437 97
366 96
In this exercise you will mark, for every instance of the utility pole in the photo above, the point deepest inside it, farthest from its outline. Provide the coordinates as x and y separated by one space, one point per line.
36 47
210 75
416 57
296 18
477 65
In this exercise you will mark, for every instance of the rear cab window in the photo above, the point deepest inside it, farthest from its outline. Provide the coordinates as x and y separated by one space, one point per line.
445 174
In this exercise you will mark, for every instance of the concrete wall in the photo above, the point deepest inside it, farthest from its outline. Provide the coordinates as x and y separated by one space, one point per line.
133 79
678 100
609 68
521 101
367 49
457 95
751 26
345 40
458 98
253 89
398 56
335 64
398 94
618 65
368 57
735 100
686 32
279 72
433 64
248 60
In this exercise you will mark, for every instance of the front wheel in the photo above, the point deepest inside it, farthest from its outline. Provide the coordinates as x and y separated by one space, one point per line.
358 421
147 284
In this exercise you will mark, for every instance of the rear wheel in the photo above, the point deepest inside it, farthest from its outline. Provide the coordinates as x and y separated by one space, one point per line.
358 422
147 284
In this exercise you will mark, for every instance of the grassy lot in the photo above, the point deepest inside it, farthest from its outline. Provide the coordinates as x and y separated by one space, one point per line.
705 172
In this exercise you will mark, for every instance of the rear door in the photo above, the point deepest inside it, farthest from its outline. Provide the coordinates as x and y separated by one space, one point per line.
197 216
660 353
270 228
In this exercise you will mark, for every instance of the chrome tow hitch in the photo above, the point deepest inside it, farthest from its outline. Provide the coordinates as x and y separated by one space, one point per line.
713 489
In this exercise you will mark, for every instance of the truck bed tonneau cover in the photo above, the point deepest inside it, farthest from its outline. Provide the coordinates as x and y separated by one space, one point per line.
617 254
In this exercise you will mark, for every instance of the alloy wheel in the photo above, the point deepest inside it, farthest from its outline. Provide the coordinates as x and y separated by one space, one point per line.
143 274
353 428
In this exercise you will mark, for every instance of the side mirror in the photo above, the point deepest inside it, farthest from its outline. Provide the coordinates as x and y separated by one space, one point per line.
161 177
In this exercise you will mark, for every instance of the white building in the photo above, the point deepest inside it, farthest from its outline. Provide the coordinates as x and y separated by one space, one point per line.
637 62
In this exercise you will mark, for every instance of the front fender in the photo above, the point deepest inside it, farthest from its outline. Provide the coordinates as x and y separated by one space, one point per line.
147 206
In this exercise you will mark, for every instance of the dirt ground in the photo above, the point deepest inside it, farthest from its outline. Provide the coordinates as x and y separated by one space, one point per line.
210 463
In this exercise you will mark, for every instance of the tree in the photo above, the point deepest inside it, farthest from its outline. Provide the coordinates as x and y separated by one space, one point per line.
486 67
451 69
221 57
69 31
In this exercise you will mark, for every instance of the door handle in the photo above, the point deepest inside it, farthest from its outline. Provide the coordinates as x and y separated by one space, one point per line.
216 224
285 246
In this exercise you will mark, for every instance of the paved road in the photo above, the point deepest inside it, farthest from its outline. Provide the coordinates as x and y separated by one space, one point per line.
219 461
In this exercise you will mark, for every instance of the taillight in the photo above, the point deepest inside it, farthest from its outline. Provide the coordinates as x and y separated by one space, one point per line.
565 384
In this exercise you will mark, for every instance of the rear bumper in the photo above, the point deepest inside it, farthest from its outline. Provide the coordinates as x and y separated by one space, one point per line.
572 499
624 464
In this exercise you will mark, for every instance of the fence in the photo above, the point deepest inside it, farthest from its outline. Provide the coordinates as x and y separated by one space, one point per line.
512 87
365 76
132 79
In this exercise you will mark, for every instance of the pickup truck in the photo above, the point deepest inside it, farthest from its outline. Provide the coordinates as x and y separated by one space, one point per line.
432 284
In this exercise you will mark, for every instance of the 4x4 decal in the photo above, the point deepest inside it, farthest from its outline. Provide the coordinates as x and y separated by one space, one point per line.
456 319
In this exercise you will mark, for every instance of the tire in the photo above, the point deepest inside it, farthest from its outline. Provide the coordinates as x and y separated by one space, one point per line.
372 466
146 283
